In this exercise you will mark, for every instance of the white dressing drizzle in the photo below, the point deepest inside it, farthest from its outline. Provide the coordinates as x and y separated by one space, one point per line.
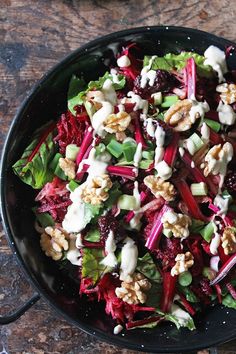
198 109
205 132
129 258
227 115
215 242
150 127
216 59
147 75
73 255
222 204
138 155
110 247
123 61
138 101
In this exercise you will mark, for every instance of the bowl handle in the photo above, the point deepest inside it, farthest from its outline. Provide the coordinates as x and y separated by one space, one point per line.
5 319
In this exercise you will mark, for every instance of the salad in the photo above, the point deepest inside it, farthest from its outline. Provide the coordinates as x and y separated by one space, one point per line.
135 186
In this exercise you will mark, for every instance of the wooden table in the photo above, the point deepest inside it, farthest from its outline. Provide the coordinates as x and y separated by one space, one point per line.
34 35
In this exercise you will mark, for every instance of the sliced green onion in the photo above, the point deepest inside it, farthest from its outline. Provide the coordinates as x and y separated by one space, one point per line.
60 173
115 148
216 126
101 148
144 164
169 101
157 97
127 202
198 189
193 143
209 273
148 155
185 278
72 151
129 150
207 232
53 164
73 185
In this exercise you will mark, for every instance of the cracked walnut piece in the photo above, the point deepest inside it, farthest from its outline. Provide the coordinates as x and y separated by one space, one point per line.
184 261
227 93
159 187
178 116
68 167
53 242
178 224
133 289
95 191
217 158
229 240
118 122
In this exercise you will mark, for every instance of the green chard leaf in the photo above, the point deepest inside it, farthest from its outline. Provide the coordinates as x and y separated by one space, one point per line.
76 85
91 264
32 167
180 318
114 194
93 235
77 89
147 267
229 301
189 294
178 61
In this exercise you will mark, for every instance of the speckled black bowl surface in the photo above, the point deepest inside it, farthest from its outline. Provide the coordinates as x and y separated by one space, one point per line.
45 102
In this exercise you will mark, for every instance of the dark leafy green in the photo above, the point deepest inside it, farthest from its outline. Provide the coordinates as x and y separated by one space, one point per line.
147 267
229 301
91 264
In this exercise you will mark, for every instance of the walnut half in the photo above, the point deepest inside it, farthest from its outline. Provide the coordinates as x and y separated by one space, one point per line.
178 115
184 261
68 166
229 240
227 92
118 122
133 289
95 191
178 224
53 242
159 187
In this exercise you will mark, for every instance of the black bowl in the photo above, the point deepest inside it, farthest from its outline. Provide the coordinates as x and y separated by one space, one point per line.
45 102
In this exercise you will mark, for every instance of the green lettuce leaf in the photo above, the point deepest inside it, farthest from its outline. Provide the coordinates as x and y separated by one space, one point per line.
32 167
91 266
229 301
178 62
180 318
77 88
93 235
76 85
147 267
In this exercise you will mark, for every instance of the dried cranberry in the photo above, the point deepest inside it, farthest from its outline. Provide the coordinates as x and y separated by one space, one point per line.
109 223
230 181
167 252
164 81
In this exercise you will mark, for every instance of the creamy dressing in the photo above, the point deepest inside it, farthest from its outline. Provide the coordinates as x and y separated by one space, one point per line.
129 258
117 329
190 146
170 216
147 75
215 242
110 246
123 61
138 101
121 107
150 127
216 59
100 116
135 221
193 165
164 170
181 151
74 220
205 132
227 115
198 109
222 204
214 263
114 75
73 255
138 155
109 92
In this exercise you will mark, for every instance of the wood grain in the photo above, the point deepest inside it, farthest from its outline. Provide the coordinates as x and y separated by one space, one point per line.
34 35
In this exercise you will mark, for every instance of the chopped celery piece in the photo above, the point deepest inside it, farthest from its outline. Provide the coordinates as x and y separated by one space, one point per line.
157 97
129 150
89 108
193 143
53 164
60 173
209 273
207 232
100 149
167 233
216 126
169 101
115 148
198 189
73 185
185 278
144 164
148 155
72 151
127 202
